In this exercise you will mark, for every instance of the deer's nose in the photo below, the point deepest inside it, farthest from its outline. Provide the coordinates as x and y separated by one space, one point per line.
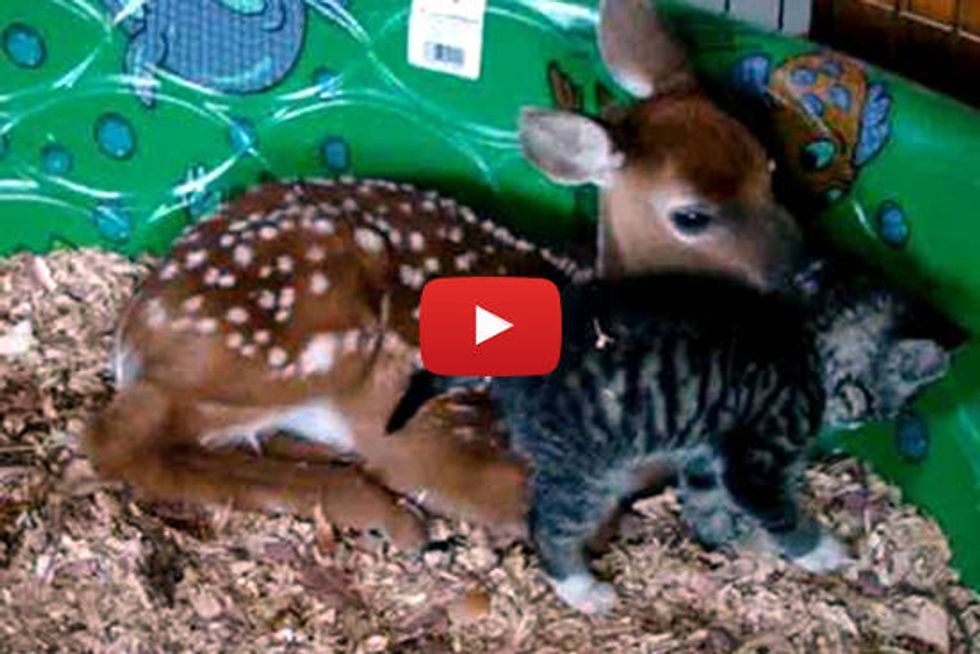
787 254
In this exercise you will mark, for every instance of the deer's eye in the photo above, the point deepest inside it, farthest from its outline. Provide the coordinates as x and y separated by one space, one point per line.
691 220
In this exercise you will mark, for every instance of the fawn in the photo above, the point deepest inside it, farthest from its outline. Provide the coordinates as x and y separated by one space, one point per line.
295 307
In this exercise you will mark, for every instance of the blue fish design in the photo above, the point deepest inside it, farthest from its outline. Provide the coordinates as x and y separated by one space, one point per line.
751 75
912 436
233 46
875 128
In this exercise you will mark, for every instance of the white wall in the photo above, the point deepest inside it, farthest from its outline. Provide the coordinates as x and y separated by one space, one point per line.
765 13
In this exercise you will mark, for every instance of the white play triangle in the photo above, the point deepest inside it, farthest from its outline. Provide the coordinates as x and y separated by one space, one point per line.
489 325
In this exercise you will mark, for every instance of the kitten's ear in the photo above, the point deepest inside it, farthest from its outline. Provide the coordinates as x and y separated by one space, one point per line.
919 361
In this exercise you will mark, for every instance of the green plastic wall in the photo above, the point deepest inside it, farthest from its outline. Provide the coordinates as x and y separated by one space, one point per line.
122 122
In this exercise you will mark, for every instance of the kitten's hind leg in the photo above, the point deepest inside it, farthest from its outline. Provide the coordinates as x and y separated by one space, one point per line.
706 505
762 478
566 510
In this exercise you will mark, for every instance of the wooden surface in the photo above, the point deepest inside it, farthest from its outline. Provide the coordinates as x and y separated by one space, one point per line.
935 42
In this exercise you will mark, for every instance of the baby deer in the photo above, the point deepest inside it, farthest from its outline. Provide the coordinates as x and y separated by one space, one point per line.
295 307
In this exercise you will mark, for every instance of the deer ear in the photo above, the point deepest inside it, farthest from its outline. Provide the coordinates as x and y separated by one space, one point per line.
568 147
636 49
920 361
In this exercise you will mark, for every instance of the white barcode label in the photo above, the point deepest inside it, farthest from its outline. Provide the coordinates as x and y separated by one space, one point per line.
447 36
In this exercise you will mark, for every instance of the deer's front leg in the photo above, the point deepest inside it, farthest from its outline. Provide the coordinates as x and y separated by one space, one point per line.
451 460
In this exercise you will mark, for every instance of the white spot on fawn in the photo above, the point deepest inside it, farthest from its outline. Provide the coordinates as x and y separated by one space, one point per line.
267 300
349 204
368 240
316 254
206 326
227 240
318 356
504 236
319 283
211 276
193 304
278 357
307 214
268 233
243 255
155 313
262 337
431 264
465 261
235 340
227 280
416 242
323 226
195 259
237 316
456 234
284 264
411 277
287 296
169 272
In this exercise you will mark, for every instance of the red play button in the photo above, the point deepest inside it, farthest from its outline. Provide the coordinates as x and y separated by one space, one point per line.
490 326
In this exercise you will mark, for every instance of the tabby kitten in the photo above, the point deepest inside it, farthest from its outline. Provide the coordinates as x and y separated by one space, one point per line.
716 381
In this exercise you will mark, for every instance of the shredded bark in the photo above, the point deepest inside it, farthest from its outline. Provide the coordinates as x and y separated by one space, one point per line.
86 566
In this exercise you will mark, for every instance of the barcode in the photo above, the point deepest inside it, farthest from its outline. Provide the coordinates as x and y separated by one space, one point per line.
445 54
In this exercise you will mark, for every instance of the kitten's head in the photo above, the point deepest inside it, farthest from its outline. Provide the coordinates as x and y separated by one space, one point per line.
877 348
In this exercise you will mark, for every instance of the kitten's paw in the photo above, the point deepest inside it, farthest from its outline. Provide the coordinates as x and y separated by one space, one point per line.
585 594
827 556
716 522
713 528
